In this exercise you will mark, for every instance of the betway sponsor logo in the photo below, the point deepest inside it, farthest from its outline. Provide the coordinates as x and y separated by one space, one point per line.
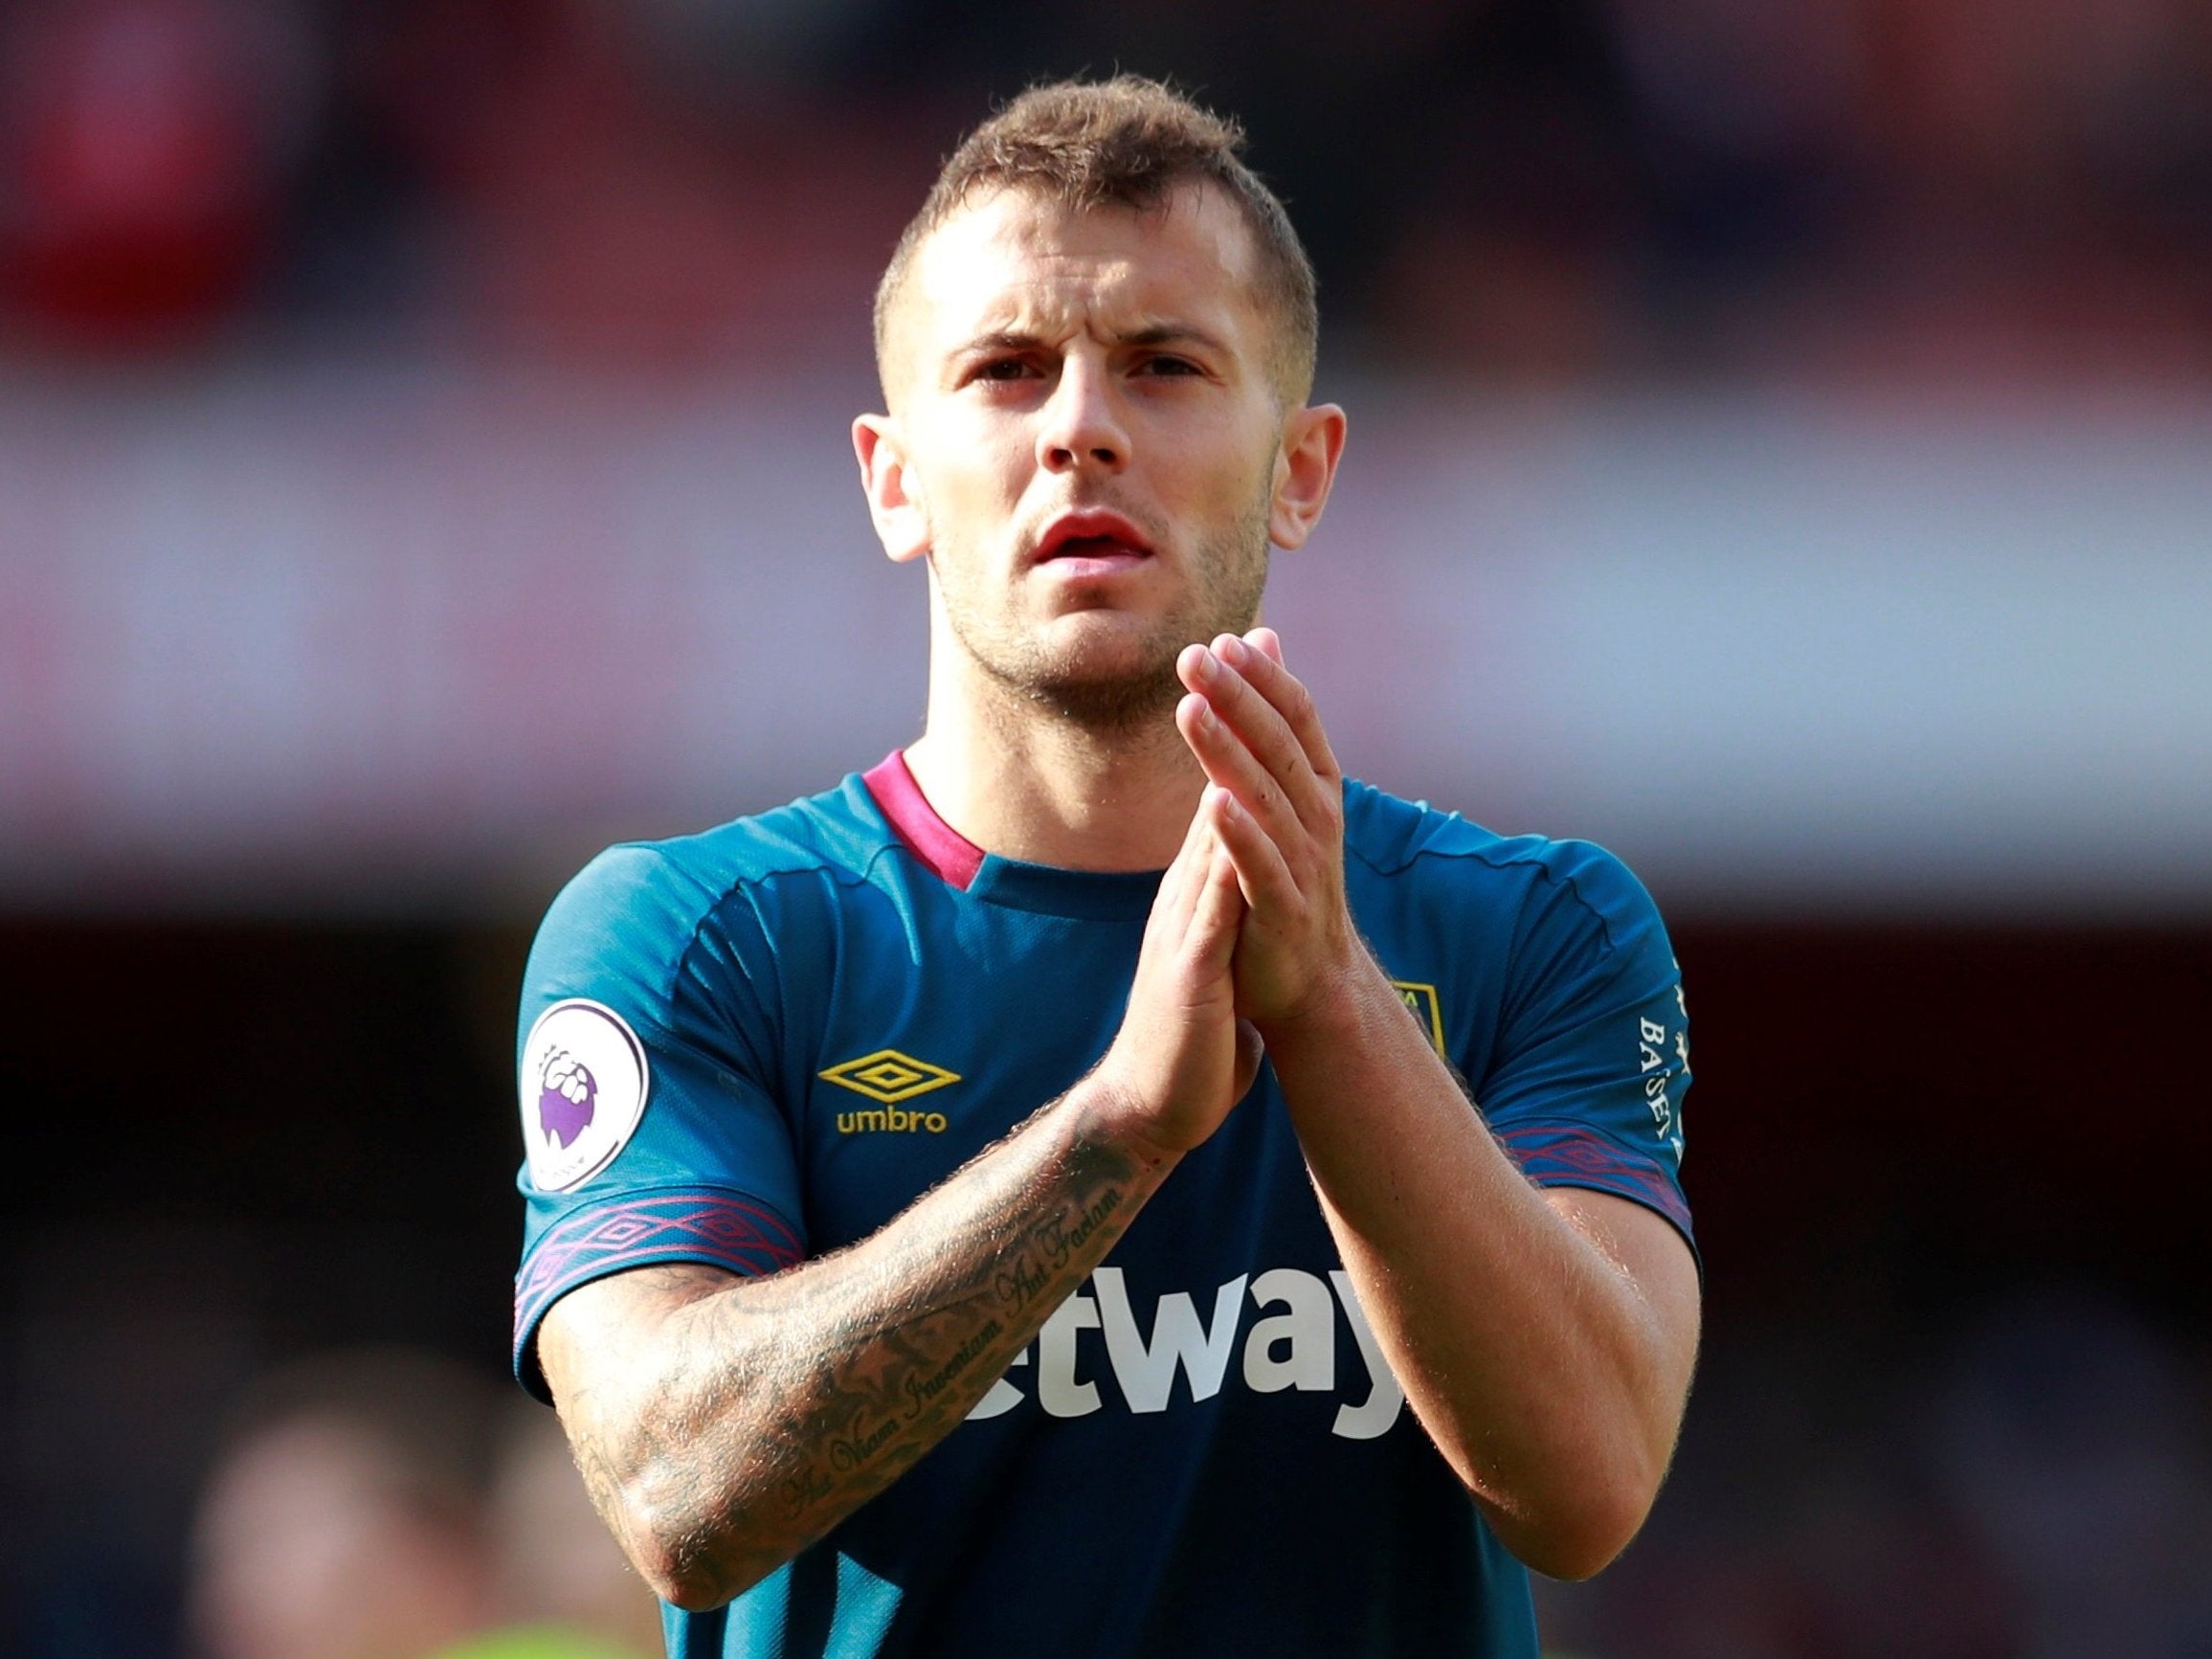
1293 1348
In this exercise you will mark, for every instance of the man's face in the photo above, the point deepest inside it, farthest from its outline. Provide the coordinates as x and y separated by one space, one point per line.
1091 441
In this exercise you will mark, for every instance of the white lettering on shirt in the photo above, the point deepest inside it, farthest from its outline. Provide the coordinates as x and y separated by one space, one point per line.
1294 1349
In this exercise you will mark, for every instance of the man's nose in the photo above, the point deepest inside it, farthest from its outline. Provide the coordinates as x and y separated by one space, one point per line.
1083 428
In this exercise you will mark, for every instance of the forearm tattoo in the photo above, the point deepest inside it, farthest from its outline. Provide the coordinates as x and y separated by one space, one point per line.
780 1405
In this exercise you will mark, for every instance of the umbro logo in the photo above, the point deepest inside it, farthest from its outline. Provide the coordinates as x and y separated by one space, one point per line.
889 1076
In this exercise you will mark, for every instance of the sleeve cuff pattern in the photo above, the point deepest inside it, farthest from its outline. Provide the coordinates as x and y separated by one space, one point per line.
1555 1154
714 1227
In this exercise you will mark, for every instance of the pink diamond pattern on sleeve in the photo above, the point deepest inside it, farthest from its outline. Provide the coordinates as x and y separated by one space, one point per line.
716 1227
1563 1155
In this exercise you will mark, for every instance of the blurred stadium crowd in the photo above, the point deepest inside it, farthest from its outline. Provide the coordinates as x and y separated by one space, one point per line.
1844 189
312 1153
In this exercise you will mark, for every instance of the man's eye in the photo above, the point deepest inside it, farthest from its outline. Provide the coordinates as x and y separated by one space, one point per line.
1003 368
1169 365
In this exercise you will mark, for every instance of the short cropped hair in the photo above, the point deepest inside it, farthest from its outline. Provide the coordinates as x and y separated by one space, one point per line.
1125 142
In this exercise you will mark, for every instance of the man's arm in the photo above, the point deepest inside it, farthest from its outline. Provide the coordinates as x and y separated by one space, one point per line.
1544 1342
724 1424
1544 1339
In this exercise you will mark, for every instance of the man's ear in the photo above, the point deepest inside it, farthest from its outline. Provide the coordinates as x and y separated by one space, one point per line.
894 502
1305 469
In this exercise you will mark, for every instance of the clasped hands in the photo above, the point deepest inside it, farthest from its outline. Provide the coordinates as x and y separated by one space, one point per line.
1250 934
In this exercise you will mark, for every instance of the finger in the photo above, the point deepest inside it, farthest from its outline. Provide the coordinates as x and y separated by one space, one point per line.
1263 726
1257 659
1228 761
1207 670
1178 892
1218 912
1264 876
1190 857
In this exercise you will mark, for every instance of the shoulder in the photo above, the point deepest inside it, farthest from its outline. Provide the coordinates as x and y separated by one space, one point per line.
1535 881
654 898
833 834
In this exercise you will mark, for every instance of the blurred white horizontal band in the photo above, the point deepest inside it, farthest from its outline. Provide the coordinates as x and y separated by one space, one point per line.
349 637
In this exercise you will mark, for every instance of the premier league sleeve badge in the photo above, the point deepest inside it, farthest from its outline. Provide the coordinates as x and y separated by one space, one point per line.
583 1084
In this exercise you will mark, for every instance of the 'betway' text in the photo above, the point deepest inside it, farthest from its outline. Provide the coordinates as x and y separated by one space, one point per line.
1293 1345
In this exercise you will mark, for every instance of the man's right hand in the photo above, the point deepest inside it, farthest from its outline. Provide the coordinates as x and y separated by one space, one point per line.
1182 1058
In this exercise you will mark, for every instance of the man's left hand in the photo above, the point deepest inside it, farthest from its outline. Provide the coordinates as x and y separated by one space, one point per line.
1256 733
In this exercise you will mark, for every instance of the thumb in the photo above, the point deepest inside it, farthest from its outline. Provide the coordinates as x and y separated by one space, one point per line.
1250 1051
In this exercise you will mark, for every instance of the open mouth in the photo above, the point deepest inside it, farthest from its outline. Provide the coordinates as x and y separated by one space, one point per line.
1101 540
1095 547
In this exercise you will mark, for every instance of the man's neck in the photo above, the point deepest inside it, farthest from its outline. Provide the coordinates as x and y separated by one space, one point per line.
1024 783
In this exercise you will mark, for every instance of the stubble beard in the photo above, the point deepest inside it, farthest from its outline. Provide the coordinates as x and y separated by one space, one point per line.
1140 688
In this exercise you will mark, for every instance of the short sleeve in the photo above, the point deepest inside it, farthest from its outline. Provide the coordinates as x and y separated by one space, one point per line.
646 1075
1586 1082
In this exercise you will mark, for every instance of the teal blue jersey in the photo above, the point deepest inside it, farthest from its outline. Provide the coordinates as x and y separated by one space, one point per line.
754 1046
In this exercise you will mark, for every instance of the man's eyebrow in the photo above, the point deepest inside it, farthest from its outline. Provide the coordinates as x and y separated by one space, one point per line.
1171 334
1152 334
1000 340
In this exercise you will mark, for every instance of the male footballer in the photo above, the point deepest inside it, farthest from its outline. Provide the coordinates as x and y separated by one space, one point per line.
1101 1182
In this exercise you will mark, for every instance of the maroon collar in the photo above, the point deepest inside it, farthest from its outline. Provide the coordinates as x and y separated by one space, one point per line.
951 855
